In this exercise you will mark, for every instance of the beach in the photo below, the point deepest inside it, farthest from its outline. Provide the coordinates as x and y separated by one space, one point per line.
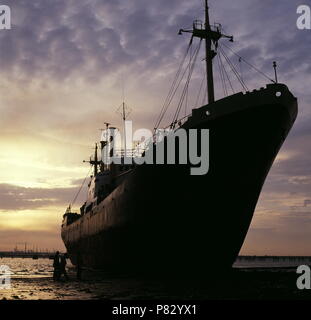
32 280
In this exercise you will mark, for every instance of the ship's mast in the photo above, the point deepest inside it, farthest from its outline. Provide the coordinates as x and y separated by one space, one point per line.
211 37
124 129
124 110
209 58
95 161
107 128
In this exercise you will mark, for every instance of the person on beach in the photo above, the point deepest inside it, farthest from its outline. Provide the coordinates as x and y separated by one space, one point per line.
56 266
63 267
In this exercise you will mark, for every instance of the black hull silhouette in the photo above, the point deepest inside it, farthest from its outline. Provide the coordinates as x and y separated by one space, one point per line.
161 219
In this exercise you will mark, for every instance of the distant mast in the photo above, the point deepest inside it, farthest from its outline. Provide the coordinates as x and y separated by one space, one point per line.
124 110
124 127
96 161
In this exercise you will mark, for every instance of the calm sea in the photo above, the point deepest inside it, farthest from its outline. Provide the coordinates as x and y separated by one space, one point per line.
270 262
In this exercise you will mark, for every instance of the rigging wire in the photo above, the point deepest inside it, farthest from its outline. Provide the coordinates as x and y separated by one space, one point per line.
190 67
205 95
200 90
187 94
76 196
222 76
193 60
227 76
241 70
233 69
171 91
182 77
249 64
224 73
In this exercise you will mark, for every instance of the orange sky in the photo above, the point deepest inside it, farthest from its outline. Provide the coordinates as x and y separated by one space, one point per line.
62 78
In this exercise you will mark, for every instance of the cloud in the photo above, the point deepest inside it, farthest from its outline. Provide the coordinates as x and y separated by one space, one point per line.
63 65
14 198
307 202
88 39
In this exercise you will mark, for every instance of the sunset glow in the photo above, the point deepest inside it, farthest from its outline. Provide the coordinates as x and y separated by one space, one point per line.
62 78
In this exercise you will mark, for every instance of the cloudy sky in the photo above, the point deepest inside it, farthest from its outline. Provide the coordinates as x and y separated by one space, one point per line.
63 67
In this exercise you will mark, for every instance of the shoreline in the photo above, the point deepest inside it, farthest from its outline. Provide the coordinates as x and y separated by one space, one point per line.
240 284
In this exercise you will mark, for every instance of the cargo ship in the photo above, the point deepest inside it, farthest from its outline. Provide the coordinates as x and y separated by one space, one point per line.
158 218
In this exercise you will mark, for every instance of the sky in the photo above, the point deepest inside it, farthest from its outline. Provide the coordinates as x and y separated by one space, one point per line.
64 68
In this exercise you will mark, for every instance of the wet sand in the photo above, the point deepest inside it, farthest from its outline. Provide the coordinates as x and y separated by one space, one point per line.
32 280
240 285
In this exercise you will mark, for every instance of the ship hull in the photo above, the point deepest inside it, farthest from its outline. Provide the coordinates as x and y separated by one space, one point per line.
161 219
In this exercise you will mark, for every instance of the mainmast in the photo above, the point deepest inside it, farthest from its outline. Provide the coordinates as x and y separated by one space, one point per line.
94 162
209 58
124 110
211 37
124 128
104 143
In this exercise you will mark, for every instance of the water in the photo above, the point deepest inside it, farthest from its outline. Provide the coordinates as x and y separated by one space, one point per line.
271 262
28 268
252 278
33 280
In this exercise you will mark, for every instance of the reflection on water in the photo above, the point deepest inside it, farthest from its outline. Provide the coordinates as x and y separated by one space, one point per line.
33 280
28 268
252 278
270 262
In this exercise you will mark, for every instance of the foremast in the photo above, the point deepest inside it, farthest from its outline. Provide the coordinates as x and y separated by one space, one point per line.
211 37
209 54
